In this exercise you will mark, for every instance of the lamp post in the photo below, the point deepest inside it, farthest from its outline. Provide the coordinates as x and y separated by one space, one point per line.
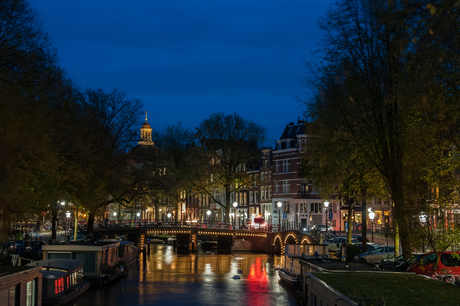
279 204
371 216
67 215
326 205
235 204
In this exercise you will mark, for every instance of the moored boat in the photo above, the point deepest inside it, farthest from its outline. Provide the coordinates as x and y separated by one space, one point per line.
288 277
62 280
100 259
127 253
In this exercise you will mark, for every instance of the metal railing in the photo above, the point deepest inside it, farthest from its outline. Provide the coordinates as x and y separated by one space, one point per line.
286 226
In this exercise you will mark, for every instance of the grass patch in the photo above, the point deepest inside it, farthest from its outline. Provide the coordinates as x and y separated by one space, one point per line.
396 289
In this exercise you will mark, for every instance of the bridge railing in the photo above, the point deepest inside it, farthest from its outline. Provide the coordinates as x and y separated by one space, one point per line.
286 226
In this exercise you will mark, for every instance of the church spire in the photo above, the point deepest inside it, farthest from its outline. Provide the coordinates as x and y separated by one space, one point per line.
146 133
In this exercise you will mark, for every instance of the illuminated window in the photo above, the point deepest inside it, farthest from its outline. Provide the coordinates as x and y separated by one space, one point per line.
58 285
31 299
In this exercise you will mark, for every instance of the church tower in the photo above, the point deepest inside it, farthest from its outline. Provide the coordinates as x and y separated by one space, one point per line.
146 134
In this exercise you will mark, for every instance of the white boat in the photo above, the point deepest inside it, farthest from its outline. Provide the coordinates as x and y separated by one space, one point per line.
288 277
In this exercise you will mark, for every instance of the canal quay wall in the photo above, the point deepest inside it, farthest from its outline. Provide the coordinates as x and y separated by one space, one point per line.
317 292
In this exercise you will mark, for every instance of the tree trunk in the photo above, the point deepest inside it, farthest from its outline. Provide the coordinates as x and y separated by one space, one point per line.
350 220
5 223
227 205
53 224
90 227
364 227
401 225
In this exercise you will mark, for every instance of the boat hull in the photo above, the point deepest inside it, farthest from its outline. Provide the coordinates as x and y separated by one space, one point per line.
289 278
68 296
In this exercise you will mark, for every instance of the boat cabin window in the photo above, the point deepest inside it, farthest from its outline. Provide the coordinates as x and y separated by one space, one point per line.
58 285
66 255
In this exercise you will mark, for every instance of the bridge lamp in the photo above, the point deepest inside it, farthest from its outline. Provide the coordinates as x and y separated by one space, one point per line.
371 217
326 205
235 204
279 204
422 217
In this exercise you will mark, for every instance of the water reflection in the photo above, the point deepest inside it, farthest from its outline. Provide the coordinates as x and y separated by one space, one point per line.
166 278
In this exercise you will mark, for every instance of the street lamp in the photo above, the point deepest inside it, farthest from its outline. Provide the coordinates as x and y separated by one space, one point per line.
235 204
371 216
169 216
208 213
422 217
138 215
326 205
279 204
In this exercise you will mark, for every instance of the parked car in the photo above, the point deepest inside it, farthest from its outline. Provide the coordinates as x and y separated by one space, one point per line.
449 264
383 252
322 228
399 264
360 238
405 265
369 245
334 244
81 236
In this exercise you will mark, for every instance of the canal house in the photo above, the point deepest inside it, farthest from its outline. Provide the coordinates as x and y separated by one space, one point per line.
98 257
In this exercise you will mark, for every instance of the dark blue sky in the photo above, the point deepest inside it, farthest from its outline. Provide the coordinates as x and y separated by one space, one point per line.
187 59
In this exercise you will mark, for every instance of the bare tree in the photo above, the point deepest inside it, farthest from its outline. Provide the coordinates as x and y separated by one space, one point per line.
231 143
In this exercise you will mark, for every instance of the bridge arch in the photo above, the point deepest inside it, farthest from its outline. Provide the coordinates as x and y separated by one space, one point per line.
279 245
291 238
306 240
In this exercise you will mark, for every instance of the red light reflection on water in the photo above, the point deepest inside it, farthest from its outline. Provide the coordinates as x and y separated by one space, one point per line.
257 285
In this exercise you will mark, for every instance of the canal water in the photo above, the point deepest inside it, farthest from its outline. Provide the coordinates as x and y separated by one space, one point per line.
204 278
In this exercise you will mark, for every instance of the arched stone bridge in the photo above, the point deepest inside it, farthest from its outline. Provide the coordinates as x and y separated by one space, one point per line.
227 240
281 239
231 240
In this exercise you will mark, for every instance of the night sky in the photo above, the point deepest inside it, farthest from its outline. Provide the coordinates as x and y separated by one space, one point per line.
188 59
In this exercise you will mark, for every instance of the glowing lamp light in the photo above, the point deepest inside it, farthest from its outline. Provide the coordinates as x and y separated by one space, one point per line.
114 213
326 204
422 217
208 212
62 203
235 204
279 204
138 214
169 215
371 215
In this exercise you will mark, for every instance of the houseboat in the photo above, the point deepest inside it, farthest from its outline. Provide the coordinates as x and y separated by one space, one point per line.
100 259
127 253
62 280
20 285
290 269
